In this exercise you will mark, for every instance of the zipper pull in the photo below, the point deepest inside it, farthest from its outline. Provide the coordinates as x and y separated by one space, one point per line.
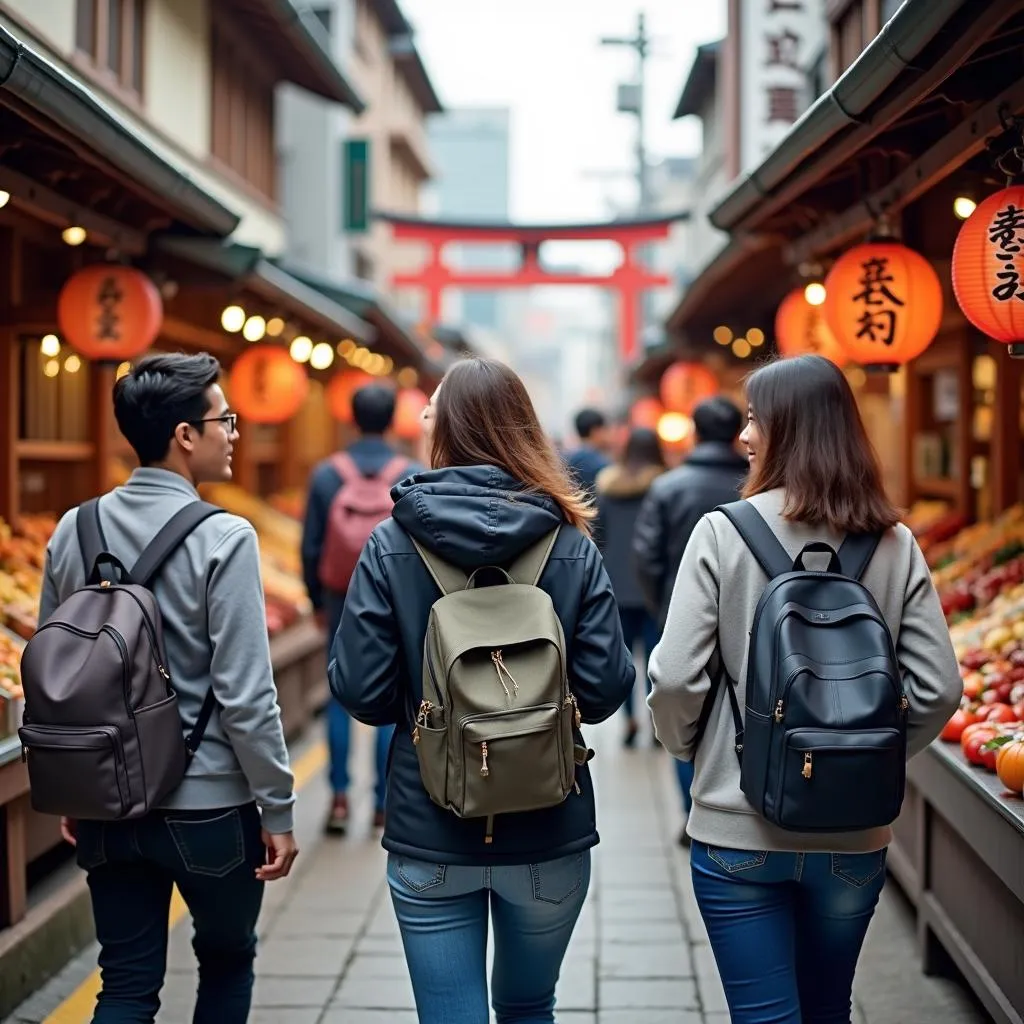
576 786
164 672
496 660
484 770
808 766
415 735
904 703
778 712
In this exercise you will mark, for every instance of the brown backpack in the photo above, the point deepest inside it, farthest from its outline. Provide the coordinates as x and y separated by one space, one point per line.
360 504
102 734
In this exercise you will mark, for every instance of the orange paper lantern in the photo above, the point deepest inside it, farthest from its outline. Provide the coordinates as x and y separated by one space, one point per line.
266 385
988 266
341 390
883 303
800 329
685 385
409 406
646 412
109 313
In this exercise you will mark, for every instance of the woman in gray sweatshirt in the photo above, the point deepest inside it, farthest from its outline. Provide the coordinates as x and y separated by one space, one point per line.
787 912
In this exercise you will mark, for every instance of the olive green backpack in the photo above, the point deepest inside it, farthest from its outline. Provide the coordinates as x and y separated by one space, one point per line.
494 731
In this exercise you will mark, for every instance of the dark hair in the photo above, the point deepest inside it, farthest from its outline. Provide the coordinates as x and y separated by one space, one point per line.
157 395
373 408
483 416
643 449
717 419
587 421
814 445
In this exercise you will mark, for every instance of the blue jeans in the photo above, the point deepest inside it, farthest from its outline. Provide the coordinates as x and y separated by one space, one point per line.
638 626
339 725
211 856
786 928
443 912
684 773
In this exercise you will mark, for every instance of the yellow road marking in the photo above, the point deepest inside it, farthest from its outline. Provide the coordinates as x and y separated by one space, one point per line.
79 1006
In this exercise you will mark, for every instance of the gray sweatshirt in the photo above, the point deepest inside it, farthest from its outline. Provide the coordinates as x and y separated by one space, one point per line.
215 633
716 592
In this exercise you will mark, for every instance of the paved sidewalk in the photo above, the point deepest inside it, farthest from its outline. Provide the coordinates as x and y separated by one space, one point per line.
330 952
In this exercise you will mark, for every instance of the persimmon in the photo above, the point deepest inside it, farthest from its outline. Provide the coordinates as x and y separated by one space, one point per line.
1010 765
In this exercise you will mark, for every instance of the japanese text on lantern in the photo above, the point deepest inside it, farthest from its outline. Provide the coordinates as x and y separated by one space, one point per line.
1005 233
110 297
879 318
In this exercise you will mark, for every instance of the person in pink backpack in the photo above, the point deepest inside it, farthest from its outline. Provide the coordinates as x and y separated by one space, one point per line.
349 494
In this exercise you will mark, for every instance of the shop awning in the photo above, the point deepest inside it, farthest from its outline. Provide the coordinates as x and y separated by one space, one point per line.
246 267
300 45
51 104
913 56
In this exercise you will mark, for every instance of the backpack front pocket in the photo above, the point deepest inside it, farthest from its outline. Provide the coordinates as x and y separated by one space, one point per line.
834 780
78 771
495 747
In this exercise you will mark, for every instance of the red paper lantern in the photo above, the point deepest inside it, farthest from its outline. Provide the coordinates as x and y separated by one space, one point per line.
988 265
341 390
266 385
800 329
409 406
109 313
883 304
646 412
685 385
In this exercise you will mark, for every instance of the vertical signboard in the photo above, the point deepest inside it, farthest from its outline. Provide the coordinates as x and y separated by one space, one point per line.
780 40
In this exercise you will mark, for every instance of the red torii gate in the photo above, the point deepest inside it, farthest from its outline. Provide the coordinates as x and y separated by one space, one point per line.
630 278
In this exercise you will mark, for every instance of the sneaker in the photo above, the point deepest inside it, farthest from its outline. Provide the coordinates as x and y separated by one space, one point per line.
378 819
337 820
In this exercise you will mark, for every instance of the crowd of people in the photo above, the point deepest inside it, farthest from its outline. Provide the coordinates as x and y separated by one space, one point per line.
481 612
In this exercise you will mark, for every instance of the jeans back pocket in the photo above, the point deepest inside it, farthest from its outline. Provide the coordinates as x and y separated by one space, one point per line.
213 846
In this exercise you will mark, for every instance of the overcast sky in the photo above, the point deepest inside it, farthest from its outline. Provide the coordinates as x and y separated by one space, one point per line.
541 59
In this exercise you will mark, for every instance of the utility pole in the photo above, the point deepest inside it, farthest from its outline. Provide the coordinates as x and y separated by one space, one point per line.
631 101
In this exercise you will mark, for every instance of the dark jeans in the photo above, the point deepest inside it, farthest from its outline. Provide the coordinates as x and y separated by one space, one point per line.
786 928
638 626
211 856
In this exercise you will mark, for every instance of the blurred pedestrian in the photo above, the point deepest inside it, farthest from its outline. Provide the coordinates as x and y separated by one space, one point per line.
787 911
592 454
621 488
349 493
711 475
492 494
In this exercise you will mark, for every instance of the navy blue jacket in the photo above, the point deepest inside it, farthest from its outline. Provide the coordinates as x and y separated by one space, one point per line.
471 516
371 455
585 463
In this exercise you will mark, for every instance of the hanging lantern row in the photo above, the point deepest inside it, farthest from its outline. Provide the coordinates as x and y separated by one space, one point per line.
801 329
685 385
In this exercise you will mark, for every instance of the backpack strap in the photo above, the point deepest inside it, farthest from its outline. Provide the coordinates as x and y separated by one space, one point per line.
170 536
530 565
345 466
393 470
856 553
716 672
91 541
759 537
447 577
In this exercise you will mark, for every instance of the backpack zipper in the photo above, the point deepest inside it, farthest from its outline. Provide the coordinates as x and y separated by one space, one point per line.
484 770
499 666
808 767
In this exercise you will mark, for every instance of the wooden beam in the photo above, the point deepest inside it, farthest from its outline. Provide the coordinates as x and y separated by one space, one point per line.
198 338
9 492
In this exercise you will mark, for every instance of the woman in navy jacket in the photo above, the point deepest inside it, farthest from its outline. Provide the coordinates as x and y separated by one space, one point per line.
496 486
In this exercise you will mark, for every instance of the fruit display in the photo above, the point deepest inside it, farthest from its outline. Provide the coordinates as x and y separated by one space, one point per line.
22 555
11 693
291 503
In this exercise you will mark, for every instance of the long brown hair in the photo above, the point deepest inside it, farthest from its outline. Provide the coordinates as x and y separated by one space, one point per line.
483 416
814 445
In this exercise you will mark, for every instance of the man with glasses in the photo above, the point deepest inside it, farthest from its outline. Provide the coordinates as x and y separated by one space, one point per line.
227 829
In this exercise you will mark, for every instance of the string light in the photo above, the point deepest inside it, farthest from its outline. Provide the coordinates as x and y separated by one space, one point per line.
232 319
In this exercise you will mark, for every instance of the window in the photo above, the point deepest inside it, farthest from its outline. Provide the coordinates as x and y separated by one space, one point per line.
110 34
242 122
356 185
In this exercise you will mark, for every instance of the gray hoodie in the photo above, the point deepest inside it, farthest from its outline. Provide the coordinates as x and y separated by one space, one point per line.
215 633
716 592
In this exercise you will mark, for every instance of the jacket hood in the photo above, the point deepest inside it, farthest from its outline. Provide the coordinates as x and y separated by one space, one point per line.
472 515
717 453
618 482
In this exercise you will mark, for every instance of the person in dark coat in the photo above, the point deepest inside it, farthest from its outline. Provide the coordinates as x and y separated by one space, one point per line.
590 458
493 491
712 475
373 409
621 488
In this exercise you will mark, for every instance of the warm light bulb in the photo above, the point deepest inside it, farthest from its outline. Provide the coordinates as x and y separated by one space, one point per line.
301 349
815 293
674 427
322 356
255 328
5 198
741 348
389 364
964 206
72 364
50 346
723 335
275 327
123 370
51 368
407 377
755 336
73 235
232 319
346 348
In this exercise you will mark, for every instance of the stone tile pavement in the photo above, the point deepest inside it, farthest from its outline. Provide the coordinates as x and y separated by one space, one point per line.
330 951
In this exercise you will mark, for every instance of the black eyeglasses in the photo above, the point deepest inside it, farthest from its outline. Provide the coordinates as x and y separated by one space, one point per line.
229 419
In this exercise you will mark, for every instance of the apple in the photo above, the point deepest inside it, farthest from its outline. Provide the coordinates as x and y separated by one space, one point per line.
1017 693
1004 690
999 713
989 697
973 685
